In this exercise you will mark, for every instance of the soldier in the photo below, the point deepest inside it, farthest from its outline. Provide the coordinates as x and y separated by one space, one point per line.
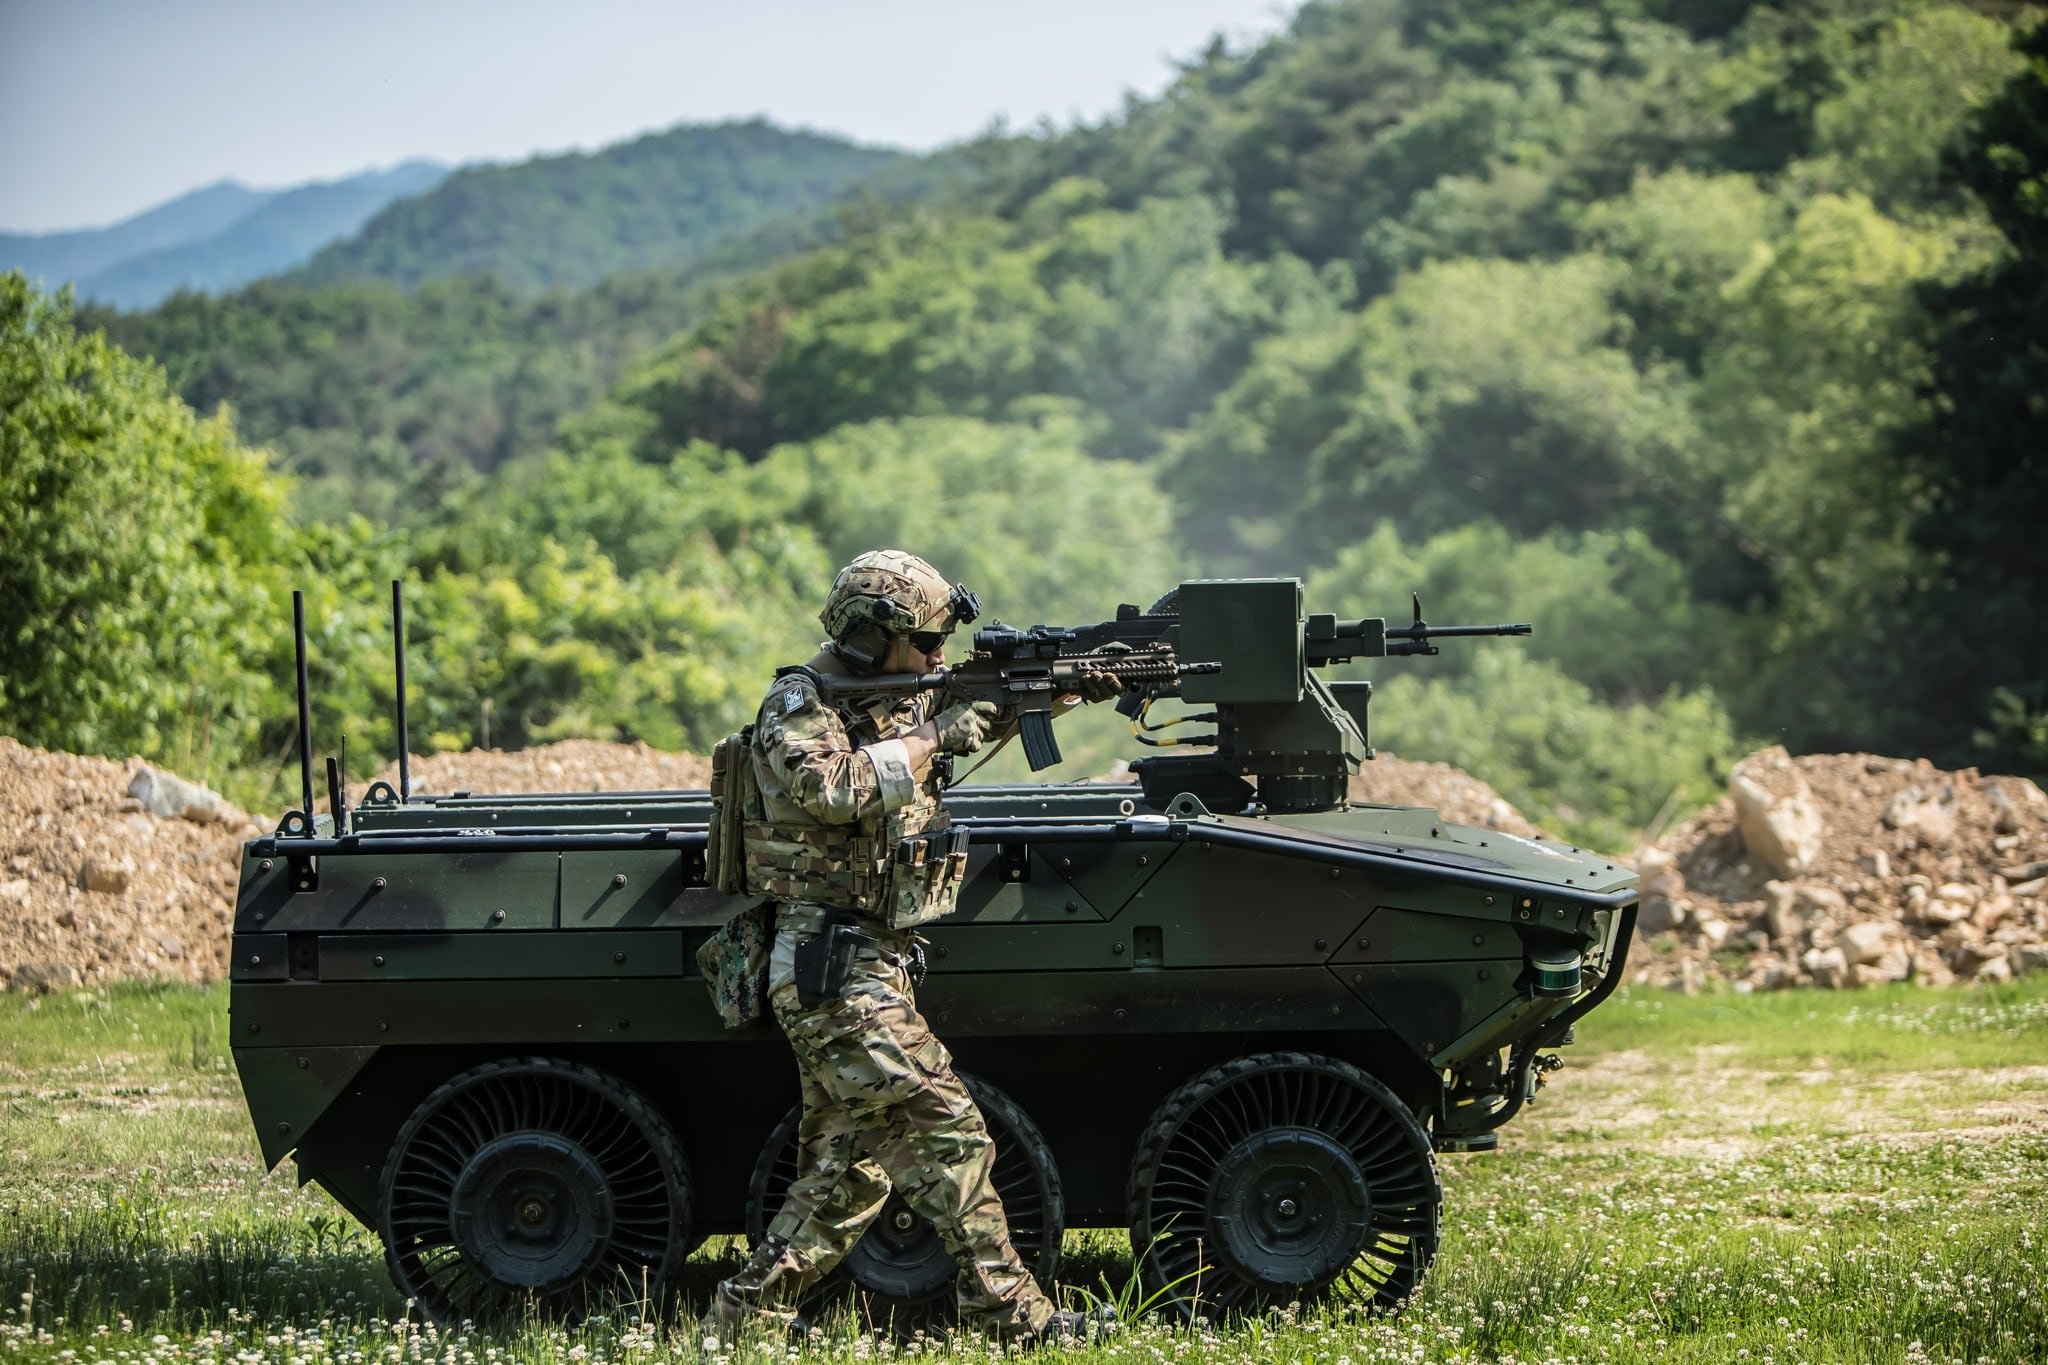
847 787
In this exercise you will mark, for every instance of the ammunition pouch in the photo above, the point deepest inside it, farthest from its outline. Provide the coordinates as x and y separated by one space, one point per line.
824 958
926 863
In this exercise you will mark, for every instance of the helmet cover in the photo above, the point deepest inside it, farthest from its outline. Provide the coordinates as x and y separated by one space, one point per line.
896 592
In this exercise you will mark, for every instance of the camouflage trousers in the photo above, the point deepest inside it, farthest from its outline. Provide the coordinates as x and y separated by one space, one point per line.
882 1110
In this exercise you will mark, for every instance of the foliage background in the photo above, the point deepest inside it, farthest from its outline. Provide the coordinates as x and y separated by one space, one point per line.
1710 338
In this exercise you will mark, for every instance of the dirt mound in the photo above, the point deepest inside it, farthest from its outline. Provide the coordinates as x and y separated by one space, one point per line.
1849 869
94 888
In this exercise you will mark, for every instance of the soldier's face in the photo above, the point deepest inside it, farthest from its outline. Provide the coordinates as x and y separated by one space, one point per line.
906 657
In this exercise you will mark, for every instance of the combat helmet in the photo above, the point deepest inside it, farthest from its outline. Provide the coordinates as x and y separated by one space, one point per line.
890 592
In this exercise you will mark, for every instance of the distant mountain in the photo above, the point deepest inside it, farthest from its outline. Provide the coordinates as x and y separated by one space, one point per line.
51 258
212 239
657 202
283 231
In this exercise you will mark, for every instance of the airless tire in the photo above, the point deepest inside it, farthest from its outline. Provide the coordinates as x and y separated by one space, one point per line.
535 1183
1283 1177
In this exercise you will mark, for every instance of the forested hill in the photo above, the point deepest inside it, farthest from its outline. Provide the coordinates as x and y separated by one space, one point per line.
1589 313
382 400
659 201
1667 327
387 391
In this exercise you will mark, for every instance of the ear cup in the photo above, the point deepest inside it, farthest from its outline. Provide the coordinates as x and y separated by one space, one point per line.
865 646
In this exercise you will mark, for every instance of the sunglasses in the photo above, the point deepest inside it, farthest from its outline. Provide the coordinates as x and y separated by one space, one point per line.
928 641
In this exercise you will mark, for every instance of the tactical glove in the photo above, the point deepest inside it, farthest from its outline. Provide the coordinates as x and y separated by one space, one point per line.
1094 685
964 725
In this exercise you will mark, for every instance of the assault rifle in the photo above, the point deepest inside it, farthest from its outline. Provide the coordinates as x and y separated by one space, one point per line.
1025 671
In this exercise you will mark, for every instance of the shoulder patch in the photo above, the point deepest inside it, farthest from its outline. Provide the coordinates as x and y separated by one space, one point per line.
792 695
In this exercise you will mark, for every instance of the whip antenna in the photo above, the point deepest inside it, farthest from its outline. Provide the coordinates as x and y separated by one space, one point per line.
398 654
305 709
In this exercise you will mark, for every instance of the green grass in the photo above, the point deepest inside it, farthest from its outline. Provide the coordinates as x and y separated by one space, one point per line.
1796 1177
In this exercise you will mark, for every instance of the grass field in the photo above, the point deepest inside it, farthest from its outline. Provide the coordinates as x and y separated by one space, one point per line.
1795 1177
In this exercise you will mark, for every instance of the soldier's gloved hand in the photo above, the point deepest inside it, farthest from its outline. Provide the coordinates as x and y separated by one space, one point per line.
964 725
1095 685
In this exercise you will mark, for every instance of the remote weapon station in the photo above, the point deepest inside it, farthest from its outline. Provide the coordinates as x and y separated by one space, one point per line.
1222 1005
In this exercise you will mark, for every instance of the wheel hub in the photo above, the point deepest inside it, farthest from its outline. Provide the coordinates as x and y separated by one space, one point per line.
901 1255
532 1210
1290 1207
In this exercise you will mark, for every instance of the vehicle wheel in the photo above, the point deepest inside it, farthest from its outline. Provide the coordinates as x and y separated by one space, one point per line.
1280 1177
900 1272
533 1180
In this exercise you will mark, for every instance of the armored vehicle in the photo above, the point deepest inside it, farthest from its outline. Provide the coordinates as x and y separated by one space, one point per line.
1220 1005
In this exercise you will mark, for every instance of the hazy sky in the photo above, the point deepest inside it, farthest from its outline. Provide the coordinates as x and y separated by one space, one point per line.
111 106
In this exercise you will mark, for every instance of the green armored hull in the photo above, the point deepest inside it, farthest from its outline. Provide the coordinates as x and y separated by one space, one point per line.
1241 1032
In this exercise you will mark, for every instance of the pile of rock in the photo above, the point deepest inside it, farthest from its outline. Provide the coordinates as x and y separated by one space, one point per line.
111 870
1845 870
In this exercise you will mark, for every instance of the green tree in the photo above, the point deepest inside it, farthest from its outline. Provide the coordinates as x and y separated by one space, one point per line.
1906 93
1150 319
1607 607
1018 512
954 328
1819 369
1582 104
1683 238
563 646
1434 407
1980 455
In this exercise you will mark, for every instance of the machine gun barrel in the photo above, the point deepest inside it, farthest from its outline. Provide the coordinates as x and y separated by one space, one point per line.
1415 639
1327 640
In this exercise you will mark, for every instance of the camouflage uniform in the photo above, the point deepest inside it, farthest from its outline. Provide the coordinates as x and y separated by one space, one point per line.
882 1107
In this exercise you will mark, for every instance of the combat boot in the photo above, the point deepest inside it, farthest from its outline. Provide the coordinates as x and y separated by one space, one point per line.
1072 1325
762 1292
